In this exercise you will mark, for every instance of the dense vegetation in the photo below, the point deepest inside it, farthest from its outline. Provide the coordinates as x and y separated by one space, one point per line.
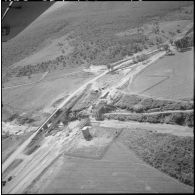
171 154
185 42
179 118
137 103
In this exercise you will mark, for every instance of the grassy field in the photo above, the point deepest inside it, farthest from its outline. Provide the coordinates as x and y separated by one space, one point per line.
39 97
171 154
23 80
170 78
141 103
91 27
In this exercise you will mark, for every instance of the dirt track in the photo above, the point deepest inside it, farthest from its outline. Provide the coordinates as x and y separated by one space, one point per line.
161 128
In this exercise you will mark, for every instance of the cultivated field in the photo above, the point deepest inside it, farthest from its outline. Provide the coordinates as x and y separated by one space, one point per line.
171 78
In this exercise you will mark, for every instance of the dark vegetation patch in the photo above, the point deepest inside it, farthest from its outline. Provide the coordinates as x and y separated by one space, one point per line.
185 42
137 103
170 154
179 118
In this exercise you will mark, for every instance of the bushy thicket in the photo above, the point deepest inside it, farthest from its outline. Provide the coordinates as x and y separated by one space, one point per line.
137 103
179 118
100 108
185 42
171 154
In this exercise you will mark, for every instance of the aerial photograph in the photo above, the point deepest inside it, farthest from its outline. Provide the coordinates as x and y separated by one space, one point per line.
97 97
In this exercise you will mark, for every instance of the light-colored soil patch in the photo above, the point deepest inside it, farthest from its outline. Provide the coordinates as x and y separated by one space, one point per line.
95 148
159 128
95 69
12 128
179 83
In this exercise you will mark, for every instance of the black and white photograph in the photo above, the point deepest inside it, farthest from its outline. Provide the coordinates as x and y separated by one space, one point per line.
97 97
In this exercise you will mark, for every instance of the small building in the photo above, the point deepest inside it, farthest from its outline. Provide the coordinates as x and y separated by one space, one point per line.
86 133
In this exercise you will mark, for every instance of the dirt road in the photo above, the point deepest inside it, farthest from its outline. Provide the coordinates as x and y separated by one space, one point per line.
160 128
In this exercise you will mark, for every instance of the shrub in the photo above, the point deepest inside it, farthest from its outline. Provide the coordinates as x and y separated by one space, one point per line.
185 42
189 119
171 154
139 103
152 118
166 47
141 58
138 108
128 101
147 103
177 118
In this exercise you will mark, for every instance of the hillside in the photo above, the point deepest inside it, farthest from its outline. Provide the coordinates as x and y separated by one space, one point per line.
97 97
90 28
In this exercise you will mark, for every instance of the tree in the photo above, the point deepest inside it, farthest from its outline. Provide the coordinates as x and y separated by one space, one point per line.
171 41
156 28
29 76
166 47
183 43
